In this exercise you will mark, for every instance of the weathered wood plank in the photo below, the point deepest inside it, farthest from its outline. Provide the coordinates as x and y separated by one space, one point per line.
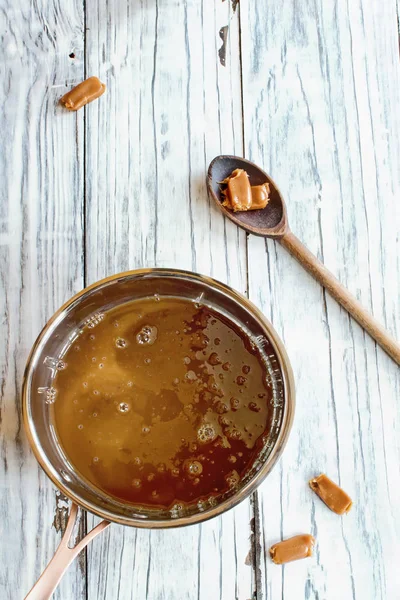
170 108
40 257
321 97
321 87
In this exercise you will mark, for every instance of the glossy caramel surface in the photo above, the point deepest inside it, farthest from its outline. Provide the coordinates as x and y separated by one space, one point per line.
162 401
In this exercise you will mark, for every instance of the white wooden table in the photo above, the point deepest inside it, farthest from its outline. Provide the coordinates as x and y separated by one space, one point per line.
309 90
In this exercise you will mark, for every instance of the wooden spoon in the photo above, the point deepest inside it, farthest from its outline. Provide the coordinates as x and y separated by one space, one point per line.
272 222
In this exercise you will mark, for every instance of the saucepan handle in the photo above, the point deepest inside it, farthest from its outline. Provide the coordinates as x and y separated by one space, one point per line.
50 578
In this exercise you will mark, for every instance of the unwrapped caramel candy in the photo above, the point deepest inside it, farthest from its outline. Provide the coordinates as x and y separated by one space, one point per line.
240 195
259 196
295 548
330 493
83 93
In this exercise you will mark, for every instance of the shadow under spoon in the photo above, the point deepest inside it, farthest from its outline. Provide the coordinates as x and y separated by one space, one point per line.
272 222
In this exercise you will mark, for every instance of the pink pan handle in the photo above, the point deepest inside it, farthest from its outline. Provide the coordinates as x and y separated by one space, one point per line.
50 578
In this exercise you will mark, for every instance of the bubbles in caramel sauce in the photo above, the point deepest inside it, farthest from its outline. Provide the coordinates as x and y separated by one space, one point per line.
172 412
232 478
206 434
221 407
235 404
147 335
193 468
214 359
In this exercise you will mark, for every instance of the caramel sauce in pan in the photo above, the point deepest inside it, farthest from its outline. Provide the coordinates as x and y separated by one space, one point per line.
162 402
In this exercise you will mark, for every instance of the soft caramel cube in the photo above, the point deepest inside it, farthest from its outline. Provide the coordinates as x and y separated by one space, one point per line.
330 493
259 196
240 196
238 191
83 93
294 548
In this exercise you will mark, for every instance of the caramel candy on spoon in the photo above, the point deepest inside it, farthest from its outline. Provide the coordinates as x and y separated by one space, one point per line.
272 222
240 195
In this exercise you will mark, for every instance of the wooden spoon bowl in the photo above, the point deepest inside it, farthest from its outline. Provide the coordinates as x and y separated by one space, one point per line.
272 222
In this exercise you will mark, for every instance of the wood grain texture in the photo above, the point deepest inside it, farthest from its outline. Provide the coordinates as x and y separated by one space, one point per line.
321 97
169 109
41 245
122 185
342 295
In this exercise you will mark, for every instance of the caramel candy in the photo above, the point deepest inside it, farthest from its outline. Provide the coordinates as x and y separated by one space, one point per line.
299 546
240 196
260 196
330 493
238 191
82 94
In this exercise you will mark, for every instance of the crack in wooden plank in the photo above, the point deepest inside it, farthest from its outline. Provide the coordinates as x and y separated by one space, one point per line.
61 513
234 4
255 546
61 516
212 98
223 34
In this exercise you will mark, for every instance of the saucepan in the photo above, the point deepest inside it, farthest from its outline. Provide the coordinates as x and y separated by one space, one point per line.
56 337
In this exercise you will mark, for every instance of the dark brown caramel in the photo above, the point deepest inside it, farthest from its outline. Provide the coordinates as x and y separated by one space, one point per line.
162 402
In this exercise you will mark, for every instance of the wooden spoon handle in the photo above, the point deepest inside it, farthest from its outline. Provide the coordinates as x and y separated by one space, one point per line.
341 294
